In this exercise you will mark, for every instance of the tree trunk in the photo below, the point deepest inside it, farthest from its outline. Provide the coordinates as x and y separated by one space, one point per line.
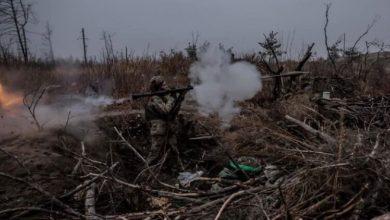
21 39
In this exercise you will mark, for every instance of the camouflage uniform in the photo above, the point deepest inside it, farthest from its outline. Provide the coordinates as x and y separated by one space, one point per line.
162 128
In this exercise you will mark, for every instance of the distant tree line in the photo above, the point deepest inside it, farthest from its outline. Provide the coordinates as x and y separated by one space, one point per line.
17 15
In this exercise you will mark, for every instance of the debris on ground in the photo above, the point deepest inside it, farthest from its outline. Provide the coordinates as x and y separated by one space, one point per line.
185 178
319 150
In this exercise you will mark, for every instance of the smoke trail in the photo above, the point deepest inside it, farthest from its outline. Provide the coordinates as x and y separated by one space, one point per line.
219 84
81 108
76 112
56 108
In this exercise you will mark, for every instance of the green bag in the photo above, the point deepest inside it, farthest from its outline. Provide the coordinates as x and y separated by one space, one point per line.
245 168
231 171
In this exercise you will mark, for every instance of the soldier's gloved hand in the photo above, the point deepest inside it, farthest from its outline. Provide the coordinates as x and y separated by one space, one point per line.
174 95
182 95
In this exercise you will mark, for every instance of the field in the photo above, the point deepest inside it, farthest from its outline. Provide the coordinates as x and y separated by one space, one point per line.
331 154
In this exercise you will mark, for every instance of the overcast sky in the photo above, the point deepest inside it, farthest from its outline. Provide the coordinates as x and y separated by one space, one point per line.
165 24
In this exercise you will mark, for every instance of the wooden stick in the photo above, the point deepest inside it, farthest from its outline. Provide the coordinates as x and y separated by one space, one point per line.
286 208
181 195
87 183
355 200
32 208
130 146
208 137
225 204
46 193
80 161
148 168
90 211
81 156
308 128
17 160
182 211
316 206
375 148
294 73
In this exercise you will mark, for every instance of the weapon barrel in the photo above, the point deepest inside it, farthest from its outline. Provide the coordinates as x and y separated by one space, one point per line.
165 92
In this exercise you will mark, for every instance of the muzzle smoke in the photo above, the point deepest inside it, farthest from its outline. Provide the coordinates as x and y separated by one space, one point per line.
79 108
75 112
220 84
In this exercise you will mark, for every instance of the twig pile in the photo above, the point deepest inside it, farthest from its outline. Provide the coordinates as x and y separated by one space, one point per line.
327 172
362 112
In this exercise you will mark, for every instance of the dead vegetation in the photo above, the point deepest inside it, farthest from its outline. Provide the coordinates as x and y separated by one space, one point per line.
329 155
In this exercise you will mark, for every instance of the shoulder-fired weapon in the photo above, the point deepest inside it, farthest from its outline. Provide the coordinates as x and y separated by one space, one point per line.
164 92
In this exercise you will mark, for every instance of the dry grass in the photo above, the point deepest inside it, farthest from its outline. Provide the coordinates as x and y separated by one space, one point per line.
321 180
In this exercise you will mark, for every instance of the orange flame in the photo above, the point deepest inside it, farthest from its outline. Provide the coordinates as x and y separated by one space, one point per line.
8 99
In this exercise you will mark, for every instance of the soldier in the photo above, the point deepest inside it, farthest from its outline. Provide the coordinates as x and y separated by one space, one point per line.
161 111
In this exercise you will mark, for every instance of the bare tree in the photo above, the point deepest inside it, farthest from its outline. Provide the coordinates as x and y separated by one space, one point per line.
368 63
108 50
84 41
349 54
305 57
369 27
302 62
331 50
191 49
47 41
126 55
5 50
31 100
15 16
271 59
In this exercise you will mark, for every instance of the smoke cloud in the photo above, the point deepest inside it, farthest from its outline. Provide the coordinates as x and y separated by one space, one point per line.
78 108
220 84
65 101
75 112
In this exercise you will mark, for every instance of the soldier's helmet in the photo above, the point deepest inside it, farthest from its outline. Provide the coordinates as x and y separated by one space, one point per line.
157 83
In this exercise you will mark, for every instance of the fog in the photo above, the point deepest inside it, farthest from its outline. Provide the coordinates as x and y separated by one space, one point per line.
148 26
